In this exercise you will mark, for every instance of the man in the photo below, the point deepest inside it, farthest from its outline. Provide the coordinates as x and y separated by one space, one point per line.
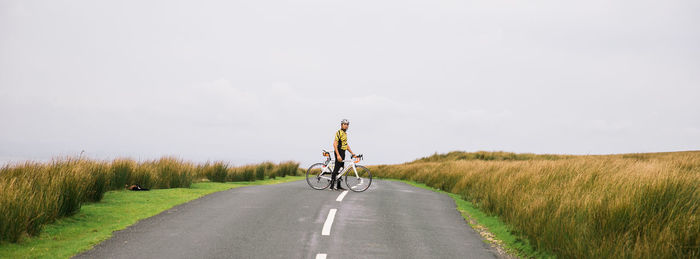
340 144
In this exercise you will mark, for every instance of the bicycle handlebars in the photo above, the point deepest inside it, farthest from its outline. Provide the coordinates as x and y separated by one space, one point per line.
328 154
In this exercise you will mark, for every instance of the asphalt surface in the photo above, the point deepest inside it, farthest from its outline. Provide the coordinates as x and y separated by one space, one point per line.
389 220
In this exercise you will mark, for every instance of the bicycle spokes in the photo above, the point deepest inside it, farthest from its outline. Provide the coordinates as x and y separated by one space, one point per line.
318 177
358 180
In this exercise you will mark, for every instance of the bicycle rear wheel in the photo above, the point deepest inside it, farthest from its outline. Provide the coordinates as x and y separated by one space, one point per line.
358 182
318 176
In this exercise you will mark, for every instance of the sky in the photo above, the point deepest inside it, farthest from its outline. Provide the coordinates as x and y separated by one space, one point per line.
265 80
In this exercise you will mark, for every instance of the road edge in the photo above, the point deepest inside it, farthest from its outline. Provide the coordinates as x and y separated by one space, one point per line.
505 243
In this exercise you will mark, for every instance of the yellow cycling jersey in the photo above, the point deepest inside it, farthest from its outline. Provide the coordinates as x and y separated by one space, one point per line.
342 137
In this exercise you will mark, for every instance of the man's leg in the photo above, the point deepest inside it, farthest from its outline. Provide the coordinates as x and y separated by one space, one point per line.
336 168
342 164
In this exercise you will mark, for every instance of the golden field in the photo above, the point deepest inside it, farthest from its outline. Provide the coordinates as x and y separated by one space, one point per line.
595 206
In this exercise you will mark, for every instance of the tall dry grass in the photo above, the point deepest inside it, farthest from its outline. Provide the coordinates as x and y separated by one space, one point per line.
223 172
615 206
33 194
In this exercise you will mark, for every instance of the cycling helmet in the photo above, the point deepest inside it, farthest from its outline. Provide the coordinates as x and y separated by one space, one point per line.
345 121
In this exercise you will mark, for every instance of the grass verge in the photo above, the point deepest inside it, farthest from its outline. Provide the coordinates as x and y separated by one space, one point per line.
95 222
491 228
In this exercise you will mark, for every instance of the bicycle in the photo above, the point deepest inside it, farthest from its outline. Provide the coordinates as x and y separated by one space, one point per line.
318 176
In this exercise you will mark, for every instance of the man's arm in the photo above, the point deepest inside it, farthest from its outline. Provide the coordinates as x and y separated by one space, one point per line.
353 154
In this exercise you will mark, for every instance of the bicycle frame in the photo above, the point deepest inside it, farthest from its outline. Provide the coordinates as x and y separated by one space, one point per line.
327 169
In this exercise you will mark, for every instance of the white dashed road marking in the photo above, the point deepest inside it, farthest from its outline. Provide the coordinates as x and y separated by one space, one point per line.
329 222
341 196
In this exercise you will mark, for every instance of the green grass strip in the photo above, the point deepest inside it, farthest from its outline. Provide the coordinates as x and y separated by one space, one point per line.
512 243
118 209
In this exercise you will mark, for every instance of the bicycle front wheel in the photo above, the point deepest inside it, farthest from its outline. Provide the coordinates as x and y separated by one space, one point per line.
360 181
318 176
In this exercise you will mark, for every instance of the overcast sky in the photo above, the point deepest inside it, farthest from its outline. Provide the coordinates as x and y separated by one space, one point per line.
249 81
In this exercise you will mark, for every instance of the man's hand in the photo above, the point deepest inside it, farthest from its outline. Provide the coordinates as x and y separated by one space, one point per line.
339 158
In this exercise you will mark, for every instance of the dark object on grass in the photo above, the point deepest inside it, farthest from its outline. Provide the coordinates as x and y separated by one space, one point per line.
135 187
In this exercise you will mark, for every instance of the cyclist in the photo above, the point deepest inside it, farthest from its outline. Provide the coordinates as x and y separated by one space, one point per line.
340 144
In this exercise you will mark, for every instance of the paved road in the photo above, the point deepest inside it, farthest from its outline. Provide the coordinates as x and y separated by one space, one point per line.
390 220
